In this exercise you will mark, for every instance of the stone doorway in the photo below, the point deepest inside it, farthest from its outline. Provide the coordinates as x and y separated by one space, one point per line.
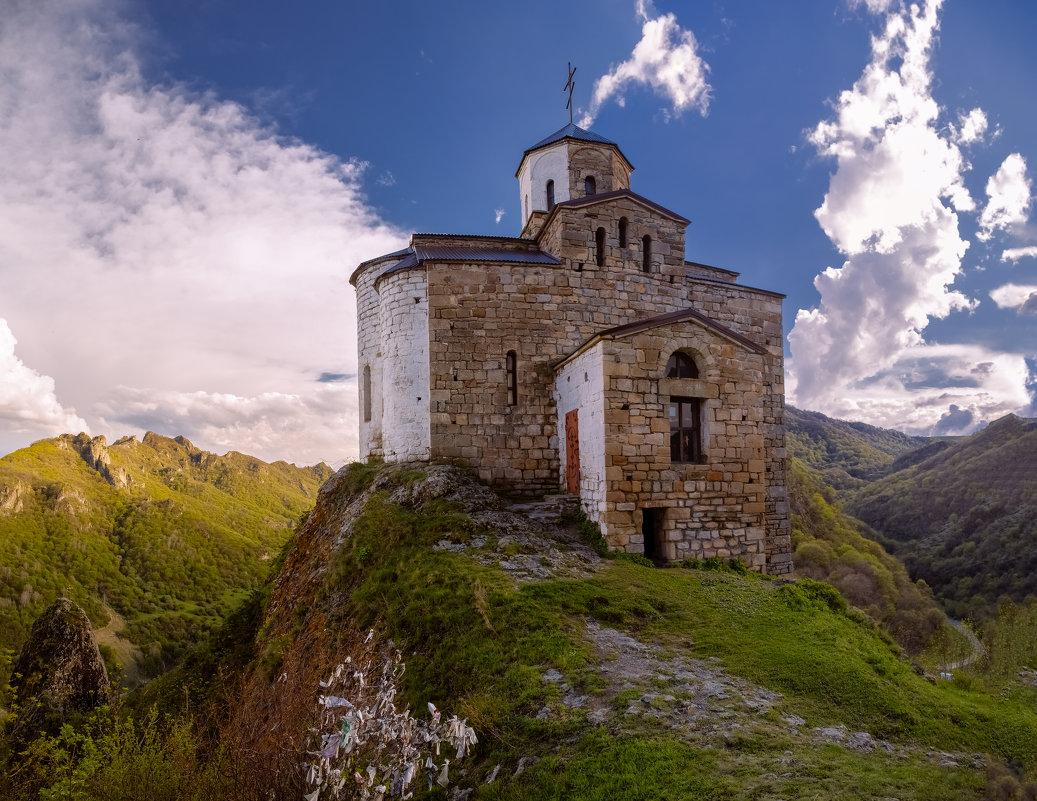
653 534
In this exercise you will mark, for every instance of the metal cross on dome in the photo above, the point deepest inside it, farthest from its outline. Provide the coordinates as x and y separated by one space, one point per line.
569 86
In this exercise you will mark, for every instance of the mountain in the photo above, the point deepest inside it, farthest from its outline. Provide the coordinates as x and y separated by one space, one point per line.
845 454
832 546
155 539
580 676
963 515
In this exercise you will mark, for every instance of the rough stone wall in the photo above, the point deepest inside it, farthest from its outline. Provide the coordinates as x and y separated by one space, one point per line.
601 161
404 366
716 508
477 313
571 235
579 385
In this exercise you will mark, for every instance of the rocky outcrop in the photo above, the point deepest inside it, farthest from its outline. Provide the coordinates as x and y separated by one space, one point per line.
59 672
13 497
94 451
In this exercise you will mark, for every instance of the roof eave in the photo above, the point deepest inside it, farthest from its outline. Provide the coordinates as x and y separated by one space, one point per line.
604 198
684 315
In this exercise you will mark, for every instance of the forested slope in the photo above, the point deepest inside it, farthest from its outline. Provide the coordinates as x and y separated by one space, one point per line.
964 518
155 539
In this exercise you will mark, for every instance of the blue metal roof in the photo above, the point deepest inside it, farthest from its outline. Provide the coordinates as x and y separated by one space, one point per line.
484 254
573 131
418 255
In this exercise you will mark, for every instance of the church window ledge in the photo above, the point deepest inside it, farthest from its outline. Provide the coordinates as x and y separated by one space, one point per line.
688 388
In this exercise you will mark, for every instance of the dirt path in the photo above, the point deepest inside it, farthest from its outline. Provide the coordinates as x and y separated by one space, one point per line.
978 649
125 651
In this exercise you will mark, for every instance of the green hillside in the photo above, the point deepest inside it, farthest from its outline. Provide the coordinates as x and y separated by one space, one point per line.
964 518
832 546
584 677
845 454
155 539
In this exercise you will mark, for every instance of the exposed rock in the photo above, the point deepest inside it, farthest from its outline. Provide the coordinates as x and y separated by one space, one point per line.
58 672
699 698
13 497
95 453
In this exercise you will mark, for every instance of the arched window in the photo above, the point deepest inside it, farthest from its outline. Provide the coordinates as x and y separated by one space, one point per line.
525 206
589 186
367 393
511 369
550 195
599 245
646 254
681 365
622 232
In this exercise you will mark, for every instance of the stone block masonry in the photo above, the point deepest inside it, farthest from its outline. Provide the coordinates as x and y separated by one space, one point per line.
438 321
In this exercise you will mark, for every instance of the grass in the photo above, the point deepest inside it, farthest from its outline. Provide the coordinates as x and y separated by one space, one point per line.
477 644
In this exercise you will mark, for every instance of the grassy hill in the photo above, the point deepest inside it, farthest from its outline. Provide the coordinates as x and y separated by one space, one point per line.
963 516
584 677
845 454
832 546
155 539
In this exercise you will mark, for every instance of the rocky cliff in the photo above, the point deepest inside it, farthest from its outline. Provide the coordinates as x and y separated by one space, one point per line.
582 675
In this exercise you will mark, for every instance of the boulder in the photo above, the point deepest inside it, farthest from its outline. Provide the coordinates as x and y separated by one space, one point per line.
59 672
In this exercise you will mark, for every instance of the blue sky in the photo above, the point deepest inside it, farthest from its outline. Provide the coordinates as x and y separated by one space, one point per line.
421 111
447 98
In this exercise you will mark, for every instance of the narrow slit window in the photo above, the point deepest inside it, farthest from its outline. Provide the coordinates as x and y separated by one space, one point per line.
590 186
550 195
622 232
686 430
511 369
599 247
367 393
646 254
681 365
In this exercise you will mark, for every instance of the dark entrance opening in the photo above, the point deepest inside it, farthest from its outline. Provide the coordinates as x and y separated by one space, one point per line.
652 531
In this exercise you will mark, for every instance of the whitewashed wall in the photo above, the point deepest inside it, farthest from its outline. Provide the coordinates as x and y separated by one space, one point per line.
405 418
579 384
551 163
369 353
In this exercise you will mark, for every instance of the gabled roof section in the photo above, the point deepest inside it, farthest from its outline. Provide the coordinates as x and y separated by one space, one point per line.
636 327
481 250
417 255
604 197
576 133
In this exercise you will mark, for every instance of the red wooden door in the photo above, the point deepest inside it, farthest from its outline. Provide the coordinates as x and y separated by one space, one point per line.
572 451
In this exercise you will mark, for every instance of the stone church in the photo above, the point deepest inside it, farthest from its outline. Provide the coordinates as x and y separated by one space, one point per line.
588 356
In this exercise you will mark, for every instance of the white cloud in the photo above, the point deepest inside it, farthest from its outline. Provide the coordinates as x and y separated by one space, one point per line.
386 179
874 6
28 401
666 59
498 215
267 425
1015 254
1021 297
1008 193
892 210
971 127
154 237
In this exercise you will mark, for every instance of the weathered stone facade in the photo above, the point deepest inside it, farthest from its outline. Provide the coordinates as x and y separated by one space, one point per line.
438 320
